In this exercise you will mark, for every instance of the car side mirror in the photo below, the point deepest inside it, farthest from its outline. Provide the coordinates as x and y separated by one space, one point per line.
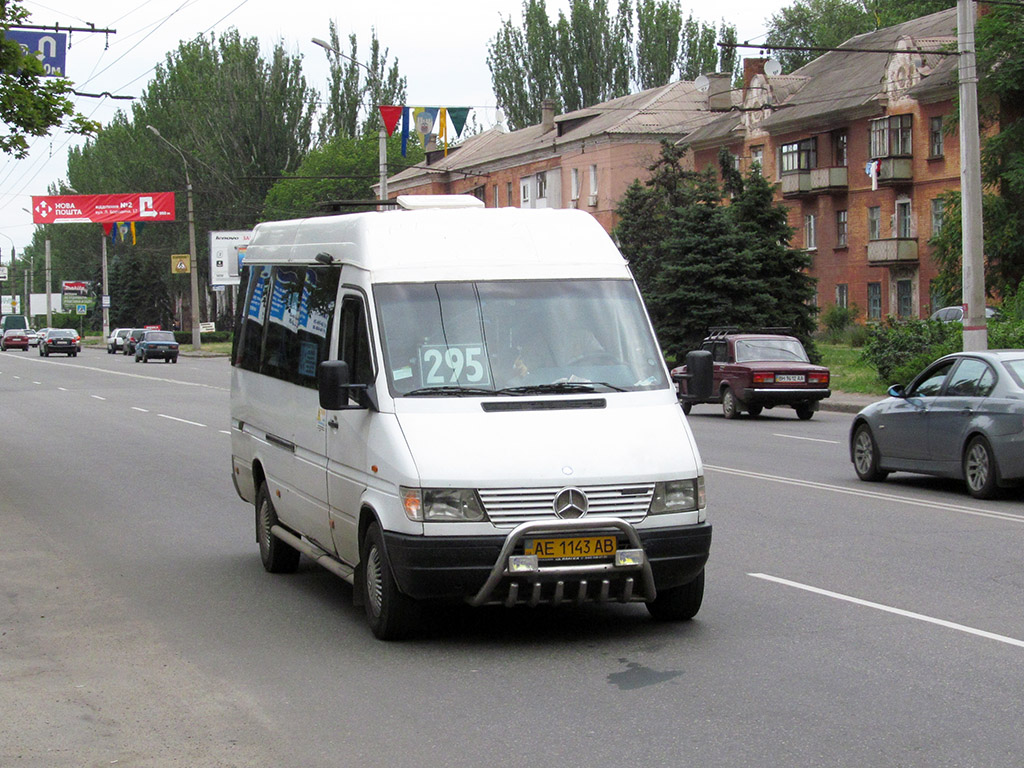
699 376
333 382
897 390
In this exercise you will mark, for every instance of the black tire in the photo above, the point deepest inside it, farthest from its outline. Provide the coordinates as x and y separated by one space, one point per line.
755 410
145 357
391 614
687 407
678 603
40 351
74 354
804 411
866 456
175 360
980 471
277 556
730 405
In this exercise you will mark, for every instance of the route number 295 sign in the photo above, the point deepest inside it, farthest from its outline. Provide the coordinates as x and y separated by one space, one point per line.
453 364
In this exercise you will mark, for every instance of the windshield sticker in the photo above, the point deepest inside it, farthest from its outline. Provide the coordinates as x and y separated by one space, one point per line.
259 296
311 321
284 300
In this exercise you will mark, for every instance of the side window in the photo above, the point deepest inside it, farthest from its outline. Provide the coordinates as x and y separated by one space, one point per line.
253 315
354 340
931 384
972 378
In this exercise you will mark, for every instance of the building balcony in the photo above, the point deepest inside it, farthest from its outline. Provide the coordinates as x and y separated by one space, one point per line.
896 170
796 183
895 250
832 179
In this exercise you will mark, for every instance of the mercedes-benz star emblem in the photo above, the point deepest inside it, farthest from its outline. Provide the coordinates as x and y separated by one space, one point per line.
571 503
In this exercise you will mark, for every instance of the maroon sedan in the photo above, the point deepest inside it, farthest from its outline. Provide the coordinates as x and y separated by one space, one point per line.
754 371
14 339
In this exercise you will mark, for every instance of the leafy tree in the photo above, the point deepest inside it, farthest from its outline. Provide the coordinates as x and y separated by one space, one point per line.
589 56
828 23
31 104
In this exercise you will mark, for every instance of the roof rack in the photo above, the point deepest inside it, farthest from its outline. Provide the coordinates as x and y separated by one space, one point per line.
718 331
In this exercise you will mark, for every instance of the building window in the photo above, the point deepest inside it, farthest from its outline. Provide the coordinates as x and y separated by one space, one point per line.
938 209
839 148
508 193
891 136
575 183
799 156
874 301
757 158
810 232
494 195
904 298
874 223
480 193
842 295
904 220
935 137
841 223
542 185
524 192
593 181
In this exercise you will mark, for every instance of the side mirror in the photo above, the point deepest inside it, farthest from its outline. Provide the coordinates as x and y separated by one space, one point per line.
334 386
699 376
897 390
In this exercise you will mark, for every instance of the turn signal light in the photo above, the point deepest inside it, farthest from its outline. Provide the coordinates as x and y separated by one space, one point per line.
818 378
764 377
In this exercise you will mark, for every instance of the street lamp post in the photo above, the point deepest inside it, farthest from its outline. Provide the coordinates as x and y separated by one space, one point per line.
194 266
383 135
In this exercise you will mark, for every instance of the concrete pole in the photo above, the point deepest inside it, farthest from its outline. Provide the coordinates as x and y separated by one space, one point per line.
383 195
49 310
975 328
194 271
105 297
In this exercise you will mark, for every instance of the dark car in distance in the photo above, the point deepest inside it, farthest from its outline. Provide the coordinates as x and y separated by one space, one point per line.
131 339
160 345
961 417
754 371
60 340
15 338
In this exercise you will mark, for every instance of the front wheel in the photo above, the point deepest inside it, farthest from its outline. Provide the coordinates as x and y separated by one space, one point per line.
277 556
678 603
390 613
865 455
980 471
730 406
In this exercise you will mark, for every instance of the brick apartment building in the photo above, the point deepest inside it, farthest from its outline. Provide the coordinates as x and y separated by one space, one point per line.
819 131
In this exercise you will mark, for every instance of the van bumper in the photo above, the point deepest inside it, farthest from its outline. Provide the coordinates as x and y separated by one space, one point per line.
458 567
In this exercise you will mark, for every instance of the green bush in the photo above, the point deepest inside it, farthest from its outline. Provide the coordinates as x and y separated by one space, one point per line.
185 337
898 350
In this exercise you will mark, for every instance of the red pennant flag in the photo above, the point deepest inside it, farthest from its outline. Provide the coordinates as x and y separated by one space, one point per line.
391 116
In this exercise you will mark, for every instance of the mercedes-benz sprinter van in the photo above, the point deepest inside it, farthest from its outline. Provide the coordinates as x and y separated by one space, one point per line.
448 402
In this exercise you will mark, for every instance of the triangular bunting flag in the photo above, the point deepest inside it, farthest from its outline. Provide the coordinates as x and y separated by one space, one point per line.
390 116
424 118
444 131
458 117
405 130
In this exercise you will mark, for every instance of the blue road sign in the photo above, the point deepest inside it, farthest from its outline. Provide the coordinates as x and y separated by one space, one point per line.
49 47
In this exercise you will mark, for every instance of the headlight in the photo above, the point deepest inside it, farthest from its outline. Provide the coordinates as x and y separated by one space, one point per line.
441 505
678 496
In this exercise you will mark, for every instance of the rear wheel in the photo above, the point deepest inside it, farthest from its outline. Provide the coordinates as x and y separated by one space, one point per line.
277 556
804 411
980 471
678 603
391 614
730 406
865 455
755 410
687 407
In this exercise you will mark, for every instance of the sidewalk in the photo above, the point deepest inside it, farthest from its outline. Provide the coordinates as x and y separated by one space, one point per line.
848 402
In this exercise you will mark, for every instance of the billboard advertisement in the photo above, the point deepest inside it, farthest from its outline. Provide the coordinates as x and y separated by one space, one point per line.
226 251
102 209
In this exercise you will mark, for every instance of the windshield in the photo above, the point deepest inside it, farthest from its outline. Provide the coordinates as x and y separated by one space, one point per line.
516 337
62 334
751 350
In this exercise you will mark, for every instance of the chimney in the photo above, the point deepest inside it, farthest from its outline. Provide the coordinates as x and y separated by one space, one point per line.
547 115
720 92
752 67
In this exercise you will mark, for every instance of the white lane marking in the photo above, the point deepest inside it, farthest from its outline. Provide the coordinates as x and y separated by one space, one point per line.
37 382
62 389
183 421
890 609
141 410
801 437
872 494
97 397
225 431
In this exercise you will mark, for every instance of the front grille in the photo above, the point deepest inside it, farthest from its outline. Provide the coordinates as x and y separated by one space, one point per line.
509 507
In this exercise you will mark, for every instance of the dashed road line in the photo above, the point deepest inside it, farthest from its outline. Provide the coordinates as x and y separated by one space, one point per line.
183 421
809 439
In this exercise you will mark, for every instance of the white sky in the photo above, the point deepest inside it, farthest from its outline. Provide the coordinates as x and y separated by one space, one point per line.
441 50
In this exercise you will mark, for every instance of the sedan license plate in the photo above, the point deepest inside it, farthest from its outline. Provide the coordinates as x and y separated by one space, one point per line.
789 378
579 548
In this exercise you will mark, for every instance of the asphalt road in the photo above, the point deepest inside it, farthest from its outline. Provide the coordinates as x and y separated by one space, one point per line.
844 624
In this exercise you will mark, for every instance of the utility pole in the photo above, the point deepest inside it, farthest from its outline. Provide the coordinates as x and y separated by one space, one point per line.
973 244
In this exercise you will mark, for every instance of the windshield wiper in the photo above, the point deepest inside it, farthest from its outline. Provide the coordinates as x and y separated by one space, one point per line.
449 391
558 388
